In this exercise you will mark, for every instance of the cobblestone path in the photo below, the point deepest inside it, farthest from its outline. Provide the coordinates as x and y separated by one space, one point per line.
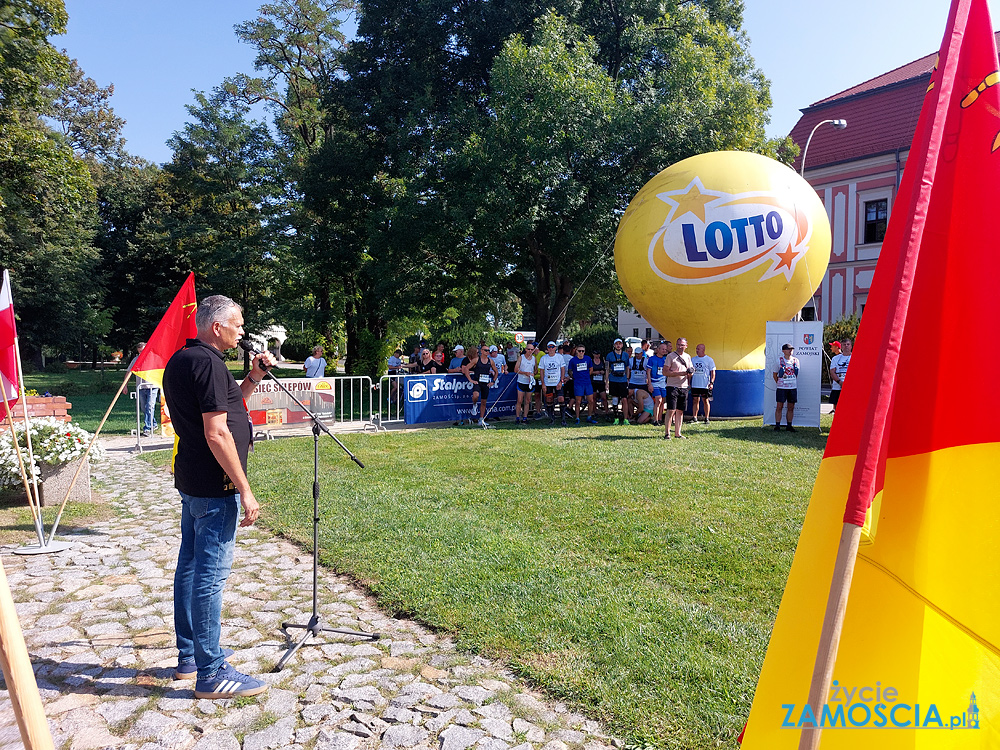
98 623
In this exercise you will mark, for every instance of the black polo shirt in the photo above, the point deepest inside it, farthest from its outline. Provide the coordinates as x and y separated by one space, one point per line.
196 381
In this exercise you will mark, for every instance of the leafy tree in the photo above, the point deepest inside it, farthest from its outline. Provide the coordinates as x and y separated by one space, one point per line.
82 111
47 210
299 46
223 186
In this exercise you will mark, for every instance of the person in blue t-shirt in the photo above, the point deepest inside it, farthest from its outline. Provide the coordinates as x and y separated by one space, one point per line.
579 369
657 381
617 379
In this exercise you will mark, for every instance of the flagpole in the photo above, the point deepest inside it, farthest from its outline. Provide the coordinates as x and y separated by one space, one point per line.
833 623
19 675
27 426
83 458
36 514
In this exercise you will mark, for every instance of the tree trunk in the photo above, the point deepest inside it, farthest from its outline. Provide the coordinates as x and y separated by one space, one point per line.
351 327
553 292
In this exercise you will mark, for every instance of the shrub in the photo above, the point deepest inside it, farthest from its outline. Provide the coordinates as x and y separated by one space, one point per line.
372 355
597 338
67 388
56 367
841 329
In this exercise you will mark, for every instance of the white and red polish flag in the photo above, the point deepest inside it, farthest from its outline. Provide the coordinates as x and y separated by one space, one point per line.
9 369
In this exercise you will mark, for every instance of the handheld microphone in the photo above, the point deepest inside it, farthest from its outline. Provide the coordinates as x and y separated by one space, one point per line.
246 346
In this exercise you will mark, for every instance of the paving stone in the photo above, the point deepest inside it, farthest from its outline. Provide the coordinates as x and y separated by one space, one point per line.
497 728
472 694
459 738
403 735
531 732
218 741
445 700
334 740
120 710
280 702
494 711
278 735
569 736
152 725
397 715
492 743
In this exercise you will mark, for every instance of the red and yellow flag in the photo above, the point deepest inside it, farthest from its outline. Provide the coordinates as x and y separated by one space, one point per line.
172 332
914 454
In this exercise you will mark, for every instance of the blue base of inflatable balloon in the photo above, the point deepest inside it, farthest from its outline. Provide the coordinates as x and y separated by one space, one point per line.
738 393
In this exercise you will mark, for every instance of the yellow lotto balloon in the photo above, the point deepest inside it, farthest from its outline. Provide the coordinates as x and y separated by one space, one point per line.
717 244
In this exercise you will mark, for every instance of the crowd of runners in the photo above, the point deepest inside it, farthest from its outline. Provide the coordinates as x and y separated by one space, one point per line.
566 383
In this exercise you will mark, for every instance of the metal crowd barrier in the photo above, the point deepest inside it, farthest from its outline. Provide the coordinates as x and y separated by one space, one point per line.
391 397
354 401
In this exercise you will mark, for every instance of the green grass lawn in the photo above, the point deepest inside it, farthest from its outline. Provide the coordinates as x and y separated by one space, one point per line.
633 577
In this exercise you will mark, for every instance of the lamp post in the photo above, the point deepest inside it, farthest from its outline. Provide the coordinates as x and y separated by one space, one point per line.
838 124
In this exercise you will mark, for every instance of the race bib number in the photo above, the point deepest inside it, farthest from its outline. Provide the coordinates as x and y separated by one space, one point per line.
581 367
618 367
484 378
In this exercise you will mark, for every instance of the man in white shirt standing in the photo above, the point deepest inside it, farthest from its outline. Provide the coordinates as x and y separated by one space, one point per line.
838 370
553 373
315 365
702 382
786 377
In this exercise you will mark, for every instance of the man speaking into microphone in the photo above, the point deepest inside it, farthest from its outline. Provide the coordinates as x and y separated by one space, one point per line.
213 439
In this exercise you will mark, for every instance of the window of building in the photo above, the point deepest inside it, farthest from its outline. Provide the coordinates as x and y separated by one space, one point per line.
635 333
876 218
649 333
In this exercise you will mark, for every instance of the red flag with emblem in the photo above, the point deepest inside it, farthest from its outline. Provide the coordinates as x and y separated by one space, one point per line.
173 331
913 457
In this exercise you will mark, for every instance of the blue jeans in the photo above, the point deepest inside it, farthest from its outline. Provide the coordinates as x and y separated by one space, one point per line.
148 399
208 536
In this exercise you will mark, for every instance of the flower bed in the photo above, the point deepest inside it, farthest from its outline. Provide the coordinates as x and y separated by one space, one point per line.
54 443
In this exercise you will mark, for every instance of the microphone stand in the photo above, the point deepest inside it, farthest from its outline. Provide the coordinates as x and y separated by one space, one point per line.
314 627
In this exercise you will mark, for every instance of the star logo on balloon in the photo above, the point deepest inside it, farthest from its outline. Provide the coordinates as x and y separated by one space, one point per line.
710 235
692 199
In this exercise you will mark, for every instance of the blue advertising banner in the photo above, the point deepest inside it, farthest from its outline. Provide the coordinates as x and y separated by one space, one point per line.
448 398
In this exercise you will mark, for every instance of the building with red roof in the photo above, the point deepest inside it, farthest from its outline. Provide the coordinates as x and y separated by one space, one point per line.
856 172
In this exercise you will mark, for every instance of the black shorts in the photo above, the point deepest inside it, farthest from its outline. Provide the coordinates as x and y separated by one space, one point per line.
786 395
619 390
834 396
525 387
483 389
701 392
555 390
598 386
677 398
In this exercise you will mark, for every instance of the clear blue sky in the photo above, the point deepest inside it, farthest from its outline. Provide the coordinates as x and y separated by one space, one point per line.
156 52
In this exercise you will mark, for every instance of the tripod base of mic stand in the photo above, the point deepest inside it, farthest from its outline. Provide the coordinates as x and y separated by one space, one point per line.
313 629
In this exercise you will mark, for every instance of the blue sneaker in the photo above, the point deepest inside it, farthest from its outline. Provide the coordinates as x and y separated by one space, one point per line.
188 670
591 420
228 683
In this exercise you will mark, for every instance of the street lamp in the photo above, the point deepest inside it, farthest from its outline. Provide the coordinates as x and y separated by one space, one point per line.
838 124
